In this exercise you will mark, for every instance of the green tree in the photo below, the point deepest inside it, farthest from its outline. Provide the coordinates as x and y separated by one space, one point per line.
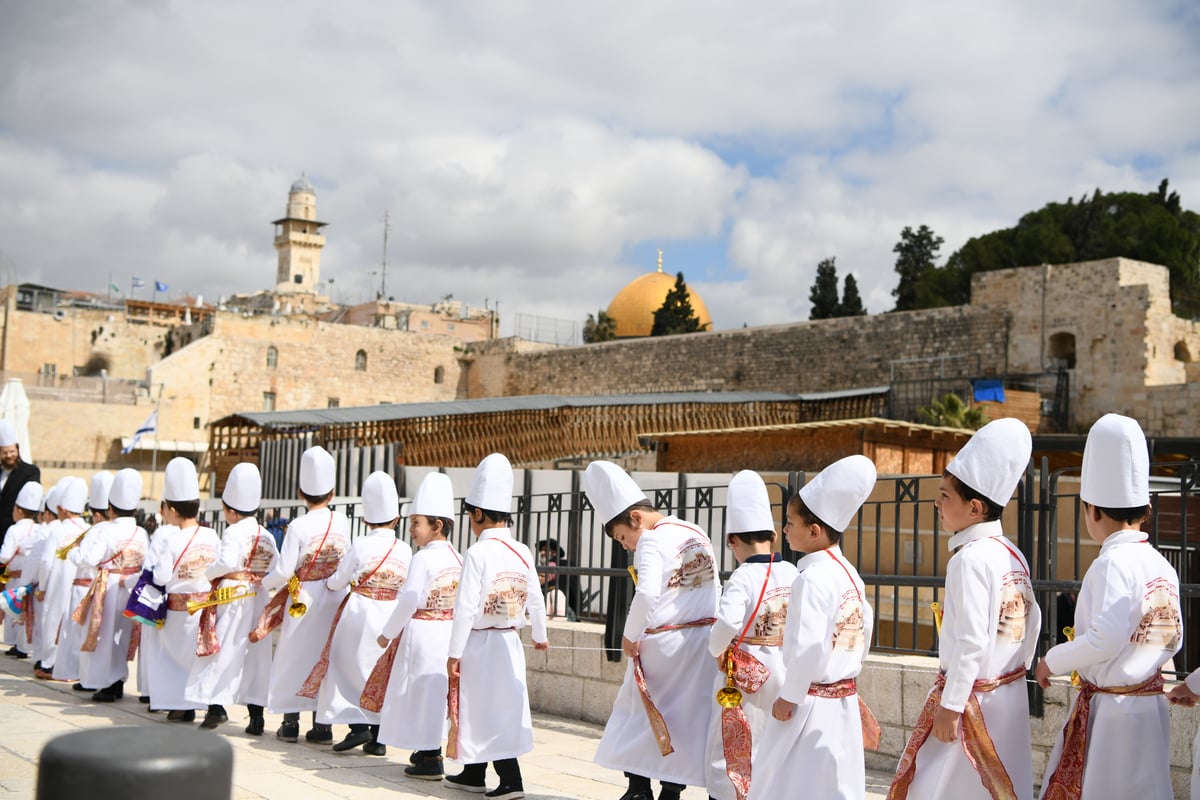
600 328
851 305
951 412
916 252
824 292
676 314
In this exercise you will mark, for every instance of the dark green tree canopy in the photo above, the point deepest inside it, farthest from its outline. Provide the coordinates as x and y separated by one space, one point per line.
916 252
676 314
851 305
600 328
824 292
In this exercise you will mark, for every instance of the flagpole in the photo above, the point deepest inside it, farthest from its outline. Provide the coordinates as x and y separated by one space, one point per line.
154 457
110 285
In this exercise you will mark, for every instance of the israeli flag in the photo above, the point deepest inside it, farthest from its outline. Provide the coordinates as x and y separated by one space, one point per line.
137 282
159 286
149 426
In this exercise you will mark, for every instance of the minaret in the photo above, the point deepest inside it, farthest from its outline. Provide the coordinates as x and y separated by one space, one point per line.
299 241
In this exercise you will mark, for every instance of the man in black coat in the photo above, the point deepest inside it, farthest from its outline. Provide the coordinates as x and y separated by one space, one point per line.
14 473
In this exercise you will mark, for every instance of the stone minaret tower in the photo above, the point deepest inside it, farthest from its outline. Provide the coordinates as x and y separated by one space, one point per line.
299 241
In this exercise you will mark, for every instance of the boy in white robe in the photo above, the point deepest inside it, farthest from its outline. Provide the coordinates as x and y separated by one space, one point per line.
374 568
21 536
47 521
973 738
71 633
1116 742
59 575
114 553
750 618
666 639
414 702
312 549
815 738
238 672
489 704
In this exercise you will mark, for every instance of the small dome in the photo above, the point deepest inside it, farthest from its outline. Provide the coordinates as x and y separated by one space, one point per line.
634 306
303 185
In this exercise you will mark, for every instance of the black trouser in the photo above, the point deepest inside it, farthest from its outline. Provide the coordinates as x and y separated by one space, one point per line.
641 783
509 770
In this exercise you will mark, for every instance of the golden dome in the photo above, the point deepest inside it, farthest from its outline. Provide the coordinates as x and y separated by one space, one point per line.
634 306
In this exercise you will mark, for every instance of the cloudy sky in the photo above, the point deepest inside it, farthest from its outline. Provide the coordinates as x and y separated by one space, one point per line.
537 154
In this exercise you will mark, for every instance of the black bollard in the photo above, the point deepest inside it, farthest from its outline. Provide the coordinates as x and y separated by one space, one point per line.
153 761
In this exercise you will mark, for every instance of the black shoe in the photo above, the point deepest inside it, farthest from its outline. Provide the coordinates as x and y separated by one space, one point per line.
374 748
414 756
19 656
288 731
353 739
181 716
637 794
506 792
256 726
460 781
145 698
79 687
105 696
117 689
12 651
214 719
320 734
426 769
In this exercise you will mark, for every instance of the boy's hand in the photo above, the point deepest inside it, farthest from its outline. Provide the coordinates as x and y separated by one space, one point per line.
452 668
541 645
1042 674
629 647
1181 695
383 641
782 710
945 724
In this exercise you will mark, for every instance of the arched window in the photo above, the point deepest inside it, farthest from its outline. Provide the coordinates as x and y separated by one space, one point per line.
1182 353
272 357
360 361
439 374
1062 349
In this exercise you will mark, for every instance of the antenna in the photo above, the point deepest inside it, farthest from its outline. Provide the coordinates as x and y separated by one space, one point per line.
383 266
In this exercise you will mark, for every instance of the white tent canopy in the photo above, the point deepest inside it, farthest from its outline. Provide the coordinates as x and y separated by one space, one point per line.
14 407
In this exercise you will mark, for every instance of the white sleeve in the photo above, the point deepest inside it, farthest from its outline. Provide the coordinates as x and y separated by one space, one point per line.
648 562
731 615
807 635
285 565
535 603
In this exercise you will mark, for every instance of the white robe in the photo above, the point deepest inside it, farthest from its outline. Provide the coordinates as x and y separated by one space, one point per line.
677 583
17 539
982 639
498 587
826 638
33 562
70 632
376 561
301 639
1193 683
179 567
1127 626
57 574
240 671
739 600
119 545
414 708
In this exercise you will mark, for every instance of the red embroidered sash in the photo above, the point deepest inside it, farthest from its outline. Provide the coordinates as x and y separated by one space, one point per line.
452 714
849 688
749 674
312 684
381 674
272 615
91 607
434 613
177 601
657 724
976 741
1067 780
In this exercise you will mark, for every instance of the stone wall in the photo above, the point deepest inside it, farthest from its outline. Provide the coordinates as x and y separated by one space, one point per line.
574 679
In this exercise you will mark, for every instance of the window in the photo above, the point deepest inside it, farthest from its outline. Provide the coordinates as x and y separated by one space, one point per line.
360 361
439 374
424 323
1182 353
333 403
298 279
49 370
1062 350
195 423
272 357
268 401
449 326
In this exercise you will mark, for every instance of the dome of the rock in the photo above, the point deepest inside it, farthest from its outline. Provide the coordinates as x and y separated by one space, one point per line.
634 306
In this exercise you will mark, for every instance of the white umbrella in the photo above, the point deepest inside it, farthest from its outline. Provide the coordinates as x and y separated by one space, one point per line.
14 407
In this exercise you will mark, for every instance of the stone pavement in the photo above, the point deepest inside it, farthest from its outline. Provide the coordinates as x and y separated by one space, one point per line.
33 712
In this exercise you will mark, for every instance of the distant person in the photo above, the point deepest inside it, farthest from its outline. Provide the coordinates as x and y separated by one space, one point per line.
14 473
561 591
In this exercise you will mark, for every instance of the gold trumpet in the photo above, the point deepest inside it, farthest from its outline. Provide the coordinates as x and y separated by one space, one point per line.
632 573
938 613
296 609
63 551
1069 632
226 594
729 696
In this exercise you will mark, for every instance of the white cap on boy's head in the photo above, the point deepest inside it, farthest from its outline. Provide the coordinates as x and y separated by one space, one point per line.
435 497
610 490
126 490
839 490
30 497
1116 464
318 472
492 484
994 459
380 500
180 482
747 507
73 495
50 499
8 433
243 488
98 493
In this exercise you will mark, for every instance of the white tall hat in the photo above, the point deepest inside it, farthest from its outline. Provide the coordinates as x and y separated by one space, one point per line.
126 489
492 484
1116 464
30 496
8 434
50 500
180 483
318 472
98 495
994 459
243 488
435 497
747 508
610 490
73 495
839 490
380 500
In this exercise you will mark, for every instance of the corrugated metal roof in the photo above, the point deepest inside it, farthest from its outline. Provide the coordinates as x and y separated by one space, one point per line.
864 422
492 405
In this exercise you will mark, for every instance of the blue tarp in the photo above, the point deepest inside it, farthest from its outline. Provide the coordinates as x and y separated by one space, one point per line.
989 390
